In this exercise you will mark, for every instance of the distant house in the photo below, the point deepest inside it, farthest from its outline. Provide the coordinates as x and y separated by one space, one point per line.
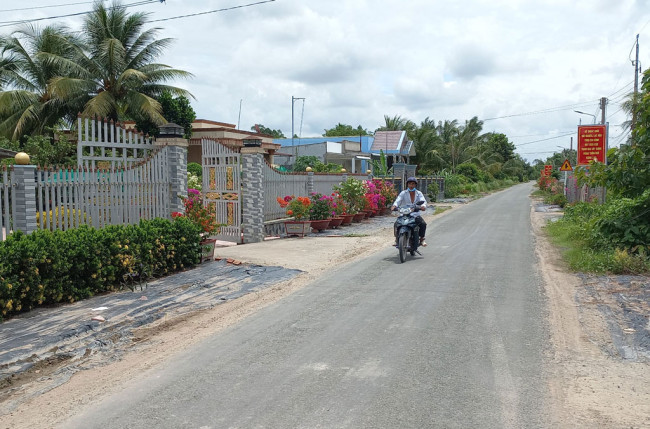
353 153
349 152
230 136
394 144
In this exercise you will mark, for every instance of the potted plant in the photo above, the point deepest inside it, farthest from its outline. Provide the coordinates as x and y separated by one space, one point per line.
387 191
205 217
298 208
352 191
340 208
319 212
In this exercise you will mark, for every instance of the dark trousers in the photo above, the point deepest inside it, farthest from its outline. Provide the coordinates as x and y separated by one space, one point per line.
419 222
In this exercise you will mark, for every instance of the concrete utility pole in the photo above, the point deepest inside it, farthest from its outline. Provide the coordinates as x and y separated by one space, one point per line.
603 103
293 150
636 67
636 88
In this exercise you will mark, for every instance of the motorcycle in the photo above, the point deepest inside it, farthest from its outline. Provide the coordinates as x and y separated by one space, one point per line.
408 232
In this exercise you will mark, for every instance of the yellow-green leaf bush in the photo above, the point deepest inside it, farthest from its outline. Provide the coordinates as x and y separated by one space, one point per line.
48 267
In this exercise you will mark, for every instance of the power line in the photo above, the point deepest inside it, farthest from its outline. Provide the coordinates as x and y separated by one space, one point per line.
549 110
535 135
47 6
10 23
213 11
543 140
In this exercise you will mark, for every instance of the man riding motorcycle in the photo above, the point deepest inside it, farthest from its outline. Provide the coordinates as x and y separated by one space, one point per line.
411 196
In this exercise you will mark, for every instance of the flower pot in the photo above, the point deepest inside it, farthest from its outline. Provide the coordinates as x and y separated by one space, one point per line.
319 225
347 219
297 227
207 248
359 217
335 222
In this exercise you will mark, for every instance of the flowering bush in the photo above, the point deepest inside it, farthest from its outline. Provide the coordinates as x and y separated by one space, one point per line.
298 207
374 198
386 190
353 192
321 207
339 208
200 214
546 182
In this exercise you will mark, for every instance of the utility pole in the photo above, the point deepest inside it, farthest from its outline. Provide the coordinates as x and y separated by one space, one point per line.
636 67
636 89
239 117
603 103
293 150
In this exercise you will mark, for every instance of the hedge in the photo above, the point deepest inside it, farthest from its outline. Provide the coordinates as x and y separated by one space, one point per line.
48 267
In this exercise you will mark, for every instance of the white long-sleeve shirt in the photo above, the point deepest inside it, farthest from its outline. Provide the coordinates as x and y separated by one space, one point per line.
404 199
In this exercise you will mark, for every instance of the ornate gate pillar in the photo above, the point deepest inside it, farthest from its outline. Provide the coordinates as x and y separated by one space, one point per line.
252 159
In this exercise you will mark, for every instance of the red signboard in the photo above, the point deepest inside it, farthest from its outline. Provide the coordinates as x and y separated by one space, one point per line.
591 143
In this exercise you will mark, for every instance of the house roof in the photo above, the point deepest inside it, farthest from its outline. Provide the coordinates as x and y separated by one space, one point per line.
388 141
6 153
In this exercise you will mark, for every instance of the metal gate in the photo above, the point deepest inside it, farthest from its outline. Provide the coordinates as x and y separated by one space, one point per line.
222 187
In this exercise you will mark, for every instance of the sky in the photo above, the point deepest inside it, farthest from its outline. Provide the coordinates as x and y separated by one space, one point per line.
523 67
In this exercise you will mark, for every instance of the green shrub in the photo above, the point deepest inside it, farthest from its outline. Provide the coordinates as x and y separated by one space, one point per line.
625 223
195 169
48 267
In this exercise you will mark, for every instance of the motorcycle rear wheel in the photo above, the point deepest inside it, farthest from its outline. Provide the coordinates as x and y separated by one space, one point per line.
401 245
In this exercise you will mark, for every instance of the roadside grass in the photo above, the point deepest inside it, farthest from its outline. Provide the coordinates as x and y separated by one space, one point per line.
582 258
441 209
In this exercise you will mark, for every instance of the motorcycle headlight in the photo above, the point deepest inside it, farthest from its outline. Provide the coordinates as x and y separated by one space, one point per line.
404 210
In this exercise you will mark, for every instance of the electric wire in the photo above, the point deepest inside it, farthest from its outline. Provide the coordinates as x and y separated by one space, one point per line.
212 11
10 23
543 140
46 6
549 110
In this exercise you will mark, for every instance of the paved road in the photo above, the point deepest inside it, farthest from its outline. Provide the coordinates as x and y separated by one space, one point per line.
454 339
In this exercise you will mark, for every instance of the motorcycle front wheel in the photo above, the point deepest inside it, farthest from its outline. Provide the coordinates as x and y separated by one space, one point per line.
402 245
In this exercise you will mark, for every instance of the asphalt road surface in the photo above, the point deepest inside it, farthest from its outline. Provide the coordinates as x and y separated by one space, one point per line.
452 339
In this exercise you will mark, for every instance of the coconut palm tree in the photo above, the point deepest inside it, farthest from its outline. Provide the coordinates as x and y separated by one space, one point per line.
116 75
27 66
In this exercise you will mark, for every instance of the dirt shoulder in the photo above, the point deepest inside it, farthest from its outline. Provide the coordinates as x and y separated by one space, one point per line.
594 386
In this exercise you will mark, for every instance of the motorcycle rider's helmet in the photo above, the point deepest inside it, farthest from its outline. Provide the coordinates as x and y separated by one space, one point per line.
412 179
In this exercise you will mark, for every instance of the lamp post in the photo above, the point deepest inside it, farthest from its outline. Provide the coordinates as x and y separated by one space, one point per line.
585 113
293 100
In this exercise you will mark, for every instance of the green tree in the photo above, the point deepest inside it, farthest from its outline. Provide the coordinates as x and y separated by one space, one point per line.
343 130
26 68
302 162
114 74
175 109
397 123
44 150
276 134
498 143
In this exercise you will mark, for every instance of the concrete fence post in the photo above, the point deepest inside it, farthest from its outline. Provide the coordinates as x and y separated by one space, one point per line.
177 161
310 183
24 198
252 161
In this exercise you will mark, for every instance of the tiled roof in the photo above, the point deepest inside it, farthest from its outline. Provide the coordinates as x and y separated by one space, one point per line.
388 140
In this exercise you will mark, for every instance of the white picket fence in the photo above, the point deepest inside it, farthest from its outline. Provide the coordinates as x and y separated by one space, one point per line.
67 198
121 178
